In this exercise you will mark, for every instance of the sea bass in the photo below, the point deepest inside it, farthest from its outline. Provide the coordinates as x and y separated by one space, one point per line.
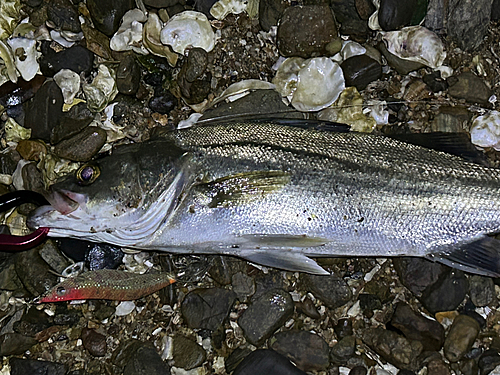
277 195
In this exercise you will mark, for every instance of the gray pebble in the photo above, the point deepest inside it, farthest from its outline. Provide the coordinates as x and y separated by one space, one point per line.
270 11
470 87
451 119
34 272
107 14
438 367
21 366
332 290
243 285
187 354
139 358
447 294
15 343
82 146
481 290
53 257
343 350
394 14
460 338
71 123
266 361
64 15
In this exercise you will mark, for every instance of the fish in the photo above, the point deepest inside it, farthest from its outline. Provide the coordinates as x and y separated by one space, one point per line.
278 195
107 284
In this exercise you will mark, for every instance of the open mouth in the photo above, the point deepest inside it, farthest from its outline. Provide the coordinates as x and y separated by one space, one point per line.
65 201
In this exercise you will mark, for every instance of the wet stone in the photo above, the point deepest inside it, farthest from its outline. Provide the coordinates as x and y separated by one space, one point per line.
488 361
481 290
307 350
394 14
15 343
468 367
139 358
394 348
107 14
53 257
447 294
460 338
97 42
266 314
417 327
94 342
128 76
163 103
438 367
32 178
187 354
243 285
304 31
343 328
360 370
360 70
235 358
434 81
21 366
8 161
307 307
411 273
31 149
270 11
350 21
365 8
266 361
196 64
65 316
82 146
203 6
332 290
369 302
468 22
76 58
207 308
63 15
102 255
44 111
343 350
160 3
470 87
71 123
8 275
34 272
223 268
32 322
451 120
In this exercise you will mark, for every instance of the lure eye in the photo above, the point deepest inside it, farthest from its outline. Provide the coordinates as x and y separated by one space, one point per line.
60 291
87 174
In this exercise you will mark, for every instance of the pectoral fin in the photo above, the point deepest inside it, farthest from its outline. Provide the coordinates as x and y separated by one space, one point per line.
480 257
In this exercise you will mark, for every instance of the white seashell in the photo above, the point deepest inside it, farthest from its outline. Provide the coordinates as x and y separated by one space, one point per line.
151 39
350 48
69 83
286 77
124 308
485 130
101 91
188 29
224 7
129 35
319 84
416 43
242 87
25 54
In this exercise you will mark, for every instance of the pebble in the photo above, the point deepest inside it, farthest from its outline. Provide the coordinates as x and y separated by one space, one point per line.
462 334
270 11
308 308
8 275
139 358
394 348
107 14
19 366
343 328
223 268
411 275
417 327
76 58
447 294
63 15
82 146
266 314
369 302
94 342
360 370
481 290
187 354
128 76
365 8
307 350
438 367
207 308
71 123
31 149
360 70
305 30
350 21
435 82
32 322
394 14
102 255
97 42
488 361
266 361
64 316
160 3
468 367
34 272
470 87
451 120
343 350
243 285
53 257
163 103
15 343
235 358
332 290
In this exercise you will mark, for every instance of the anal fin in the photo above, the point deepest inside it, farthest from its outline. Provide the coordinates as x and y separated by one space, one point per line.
480 257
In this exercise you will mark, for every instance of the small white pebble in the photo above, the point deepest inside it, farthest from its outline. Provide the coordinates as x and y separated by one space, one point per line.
124 308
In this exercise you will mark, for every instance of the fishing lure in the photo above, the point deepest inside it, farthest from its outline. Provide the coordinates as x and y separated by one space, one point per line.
107 284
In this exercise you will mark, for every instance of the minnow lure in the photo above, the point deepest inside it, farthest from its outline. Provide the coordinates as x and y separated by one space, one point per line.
107 284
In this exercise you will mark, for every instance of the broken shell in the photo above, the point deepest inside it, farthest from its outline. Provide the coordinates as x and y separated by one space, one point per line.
485 130
129 35
319 84
9 17
188 29
15 132
151 39
69 83
243 87
25 54
8 59
224 7
416 43
101 91
287 75
350 48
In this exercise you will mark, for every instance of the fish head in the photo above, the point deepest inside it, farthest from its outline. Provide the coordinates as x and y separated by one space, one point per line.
67 290
113 192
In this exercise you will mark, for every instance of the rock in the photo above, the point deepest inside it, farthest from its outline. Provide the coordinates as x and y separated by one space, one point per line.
64 316
266 361
394 14
128 76
305 31
447 293
343 350
82 146
34 273
266 314
435 18
332 290
63 15
360 70
369 302
15 343
53 257
235 358
195 65
343 328
451 119
471 88
417 327
411 273
8 276
44 111
349 19
394 348
107 14
207 308
71 123
21 366
163 103
462 334
223 268
468 22
97 42
438 367
32 178
307 350
31 149
9 160
434 82
243 285
101 255
402 66
365 8
160 3
270 11
488 361
94 342
76 58
139 358
360 370
196 91
32 322
187 353
202 6
307 307
481 290
468 367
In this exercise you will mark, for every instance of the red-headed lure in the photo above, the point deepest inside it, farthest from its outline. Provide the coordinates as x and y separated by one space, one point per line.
107 284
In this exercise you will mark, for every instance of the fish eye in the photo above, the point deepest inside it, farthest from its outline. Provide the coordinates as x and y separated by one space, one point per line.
87 174
60 291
